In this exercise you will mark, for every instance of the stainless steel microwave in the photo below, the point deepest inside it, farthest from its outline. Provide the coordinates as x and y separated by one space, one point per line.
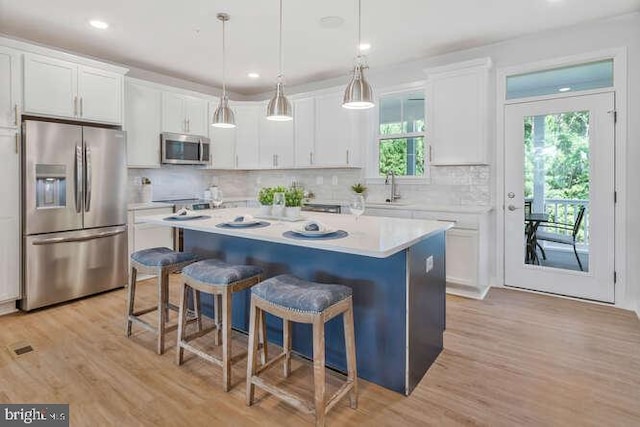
184 149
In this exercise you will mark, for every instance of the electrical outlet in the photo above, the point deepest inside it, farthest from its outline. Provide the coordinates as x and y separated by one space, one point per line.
429 263
137 180
319 180
334 180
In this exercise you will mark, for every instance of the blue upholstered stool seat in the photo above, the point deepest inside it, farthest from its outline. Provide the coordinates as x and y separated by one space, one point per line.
296 294
162 257
216 272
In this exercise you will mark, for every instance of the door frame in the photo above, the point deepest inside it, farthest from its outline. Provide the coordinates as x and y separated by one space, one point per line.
619 56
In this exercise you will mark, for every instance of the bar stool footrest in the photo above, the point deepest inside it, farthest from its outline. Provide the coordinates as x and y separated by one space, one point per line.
290 398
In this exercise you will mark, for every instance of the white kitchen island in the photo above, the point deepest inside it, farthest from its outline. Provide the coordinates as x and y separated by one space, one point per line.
396 268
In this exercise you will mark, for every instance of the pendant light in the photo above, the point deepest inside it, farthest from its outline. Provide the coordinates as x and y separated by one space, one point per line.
279 108
358 95
223 116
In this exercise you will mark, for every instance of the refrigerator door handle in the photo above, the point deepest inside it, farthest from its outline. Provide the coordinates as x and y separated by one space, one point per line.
54 240
87 178
78 178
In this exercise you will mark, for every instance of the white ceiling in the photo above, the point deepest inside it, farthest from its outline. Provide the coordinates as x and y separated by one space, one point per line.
183 38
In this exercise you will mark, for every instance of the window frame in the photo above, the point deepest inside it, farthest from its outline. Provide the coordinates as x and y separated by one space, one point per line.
373 157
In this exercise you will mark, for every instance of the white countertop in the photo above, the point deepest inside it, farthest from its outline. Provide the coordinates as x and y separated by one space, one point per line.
377 237
148 205
412 206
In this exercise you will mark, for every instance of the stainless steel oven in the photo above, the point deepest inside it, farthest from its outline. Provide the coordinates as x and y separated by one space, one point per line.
184 149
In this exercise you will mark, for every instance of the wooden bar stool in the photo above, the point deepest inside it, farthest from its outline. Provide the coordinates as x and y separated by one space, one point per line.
297 300
217 278
160 262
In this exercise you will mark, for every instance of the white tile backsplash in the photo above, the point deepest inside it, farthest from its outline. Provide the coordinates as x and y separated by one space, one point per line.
449 185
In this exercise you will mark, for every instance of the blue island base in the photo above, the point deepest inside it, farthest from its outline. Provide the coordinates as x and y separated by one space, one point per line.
399 308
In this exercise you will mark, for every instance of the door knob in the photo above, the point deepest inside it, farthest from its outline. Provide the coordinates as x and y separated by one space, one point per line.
511 208
511 195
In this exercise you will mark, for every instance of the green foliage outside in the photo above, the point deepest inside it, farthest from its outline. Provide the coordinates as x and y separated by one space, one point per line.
565 159
395 153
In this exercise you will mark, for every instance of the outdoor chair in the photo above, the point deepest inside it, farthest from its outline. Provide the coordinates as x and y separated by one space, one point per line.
567 239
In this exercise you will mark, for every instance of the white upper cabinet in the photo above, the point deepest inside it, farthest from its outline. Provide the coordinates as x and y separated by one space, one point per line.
337 136
304 125
223 143
100 95
184 114
53 87
276 143
247 129
196 112
143 121
457 113
10 104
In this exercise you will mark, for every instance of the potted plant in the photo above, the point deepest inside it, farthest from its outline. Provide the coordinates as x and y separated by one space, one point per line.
293 201
360 189
265 198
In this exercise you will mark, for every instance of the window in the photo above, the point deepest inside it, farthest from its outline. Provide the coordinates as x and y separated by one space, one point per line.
401 134
593 75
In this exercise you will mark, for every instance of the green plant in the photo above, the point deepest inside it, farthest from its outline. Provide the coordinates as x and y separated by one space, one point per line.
265 196
358 188
293 197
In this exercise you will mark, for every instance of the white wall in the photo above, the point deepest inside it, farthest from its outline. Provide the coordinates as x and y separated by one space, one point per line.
623 31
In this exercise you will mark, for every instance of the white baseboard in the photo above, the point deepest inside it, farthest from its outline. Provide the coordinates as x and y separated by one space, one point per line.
8 307
467 291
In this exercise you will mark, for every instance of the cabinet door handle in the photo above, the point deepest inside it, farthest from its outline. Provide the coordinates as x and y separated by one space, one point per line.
188 125
17 141
430 154
310 157
75 106
277 160
81 107
236 160
17 121
347 156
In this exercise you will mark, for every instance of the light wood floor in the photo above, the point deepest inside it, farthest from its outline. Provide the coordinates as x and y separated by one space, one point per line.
513 359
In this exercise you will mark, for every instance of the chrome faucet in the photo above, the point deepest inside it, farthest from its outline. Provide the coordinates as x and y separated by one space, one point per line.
393 191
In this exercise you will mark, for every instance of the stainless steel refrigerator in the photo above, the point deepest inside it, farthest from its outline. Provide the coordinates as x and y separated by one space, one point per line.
74 211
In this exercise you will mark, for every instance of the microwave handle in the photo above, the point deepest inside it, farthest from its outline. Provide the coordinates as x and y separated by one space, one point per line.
201 150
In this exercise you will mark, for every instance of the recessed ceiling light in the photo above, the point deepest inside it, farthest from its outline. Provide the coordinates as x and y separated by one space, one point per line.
365 46
253 75
331 22
564 89
96 23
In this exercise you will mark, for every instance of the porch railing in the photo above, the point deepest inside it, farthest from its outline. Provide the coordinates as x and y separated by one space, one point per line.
565 211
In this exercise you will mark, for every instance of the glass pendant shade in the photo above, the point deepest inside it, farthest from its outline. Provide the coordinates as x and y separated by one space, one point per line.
358 95
223 116
279 108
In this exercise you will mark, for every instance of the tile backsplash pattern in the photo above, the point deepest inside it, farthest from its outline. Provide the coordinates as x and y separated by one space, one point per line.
448 185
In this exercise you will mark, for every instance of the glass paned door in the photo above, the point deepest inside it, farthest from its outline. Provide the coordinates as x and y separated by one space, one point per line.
559 183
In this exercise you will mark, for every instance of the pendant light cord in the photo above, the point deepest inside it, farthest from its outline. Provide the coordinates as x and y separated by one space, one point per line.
224 74
280 44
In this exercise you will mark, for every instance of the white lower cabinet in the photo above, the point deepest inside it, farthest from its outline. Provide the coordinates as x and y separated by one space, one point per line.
467 249
9 221
145 236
